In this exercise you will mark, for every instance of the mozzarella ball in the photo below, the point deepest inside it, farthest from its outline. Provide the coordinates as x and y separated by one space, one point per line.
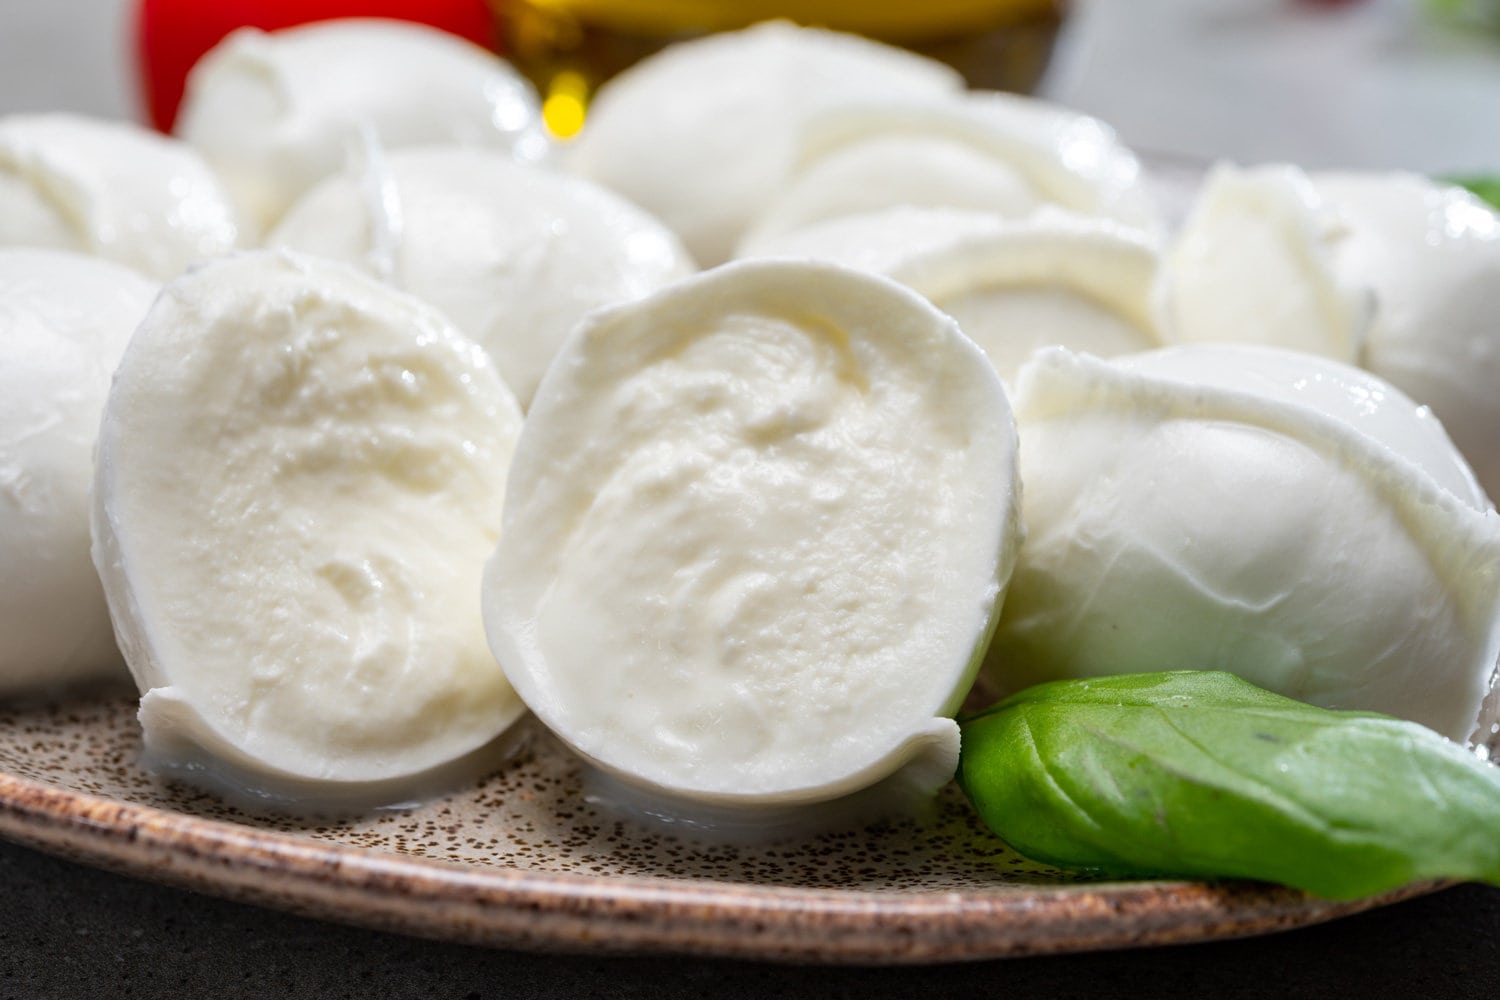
1270 513
274 113
113 190
64 321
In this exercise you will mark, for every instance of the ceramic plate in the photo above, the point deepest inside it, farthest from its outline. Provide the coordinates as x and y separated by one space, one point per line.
528 858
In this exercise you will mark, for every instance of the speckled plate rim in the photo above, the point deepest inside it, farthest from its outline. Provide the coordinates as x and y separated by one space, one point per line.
620 914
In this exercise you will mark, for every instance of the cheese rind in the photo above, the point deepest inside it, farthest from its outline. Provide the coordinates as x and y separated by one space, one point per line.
757 530
300 473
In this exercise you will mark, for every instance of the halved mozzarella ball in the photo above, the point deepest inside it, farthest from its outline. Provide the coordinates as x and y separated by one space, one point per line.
513 254
1014 286
1270 513
300 475
64 321
1256 262
112 190
275 113
703 133
757 528
991 152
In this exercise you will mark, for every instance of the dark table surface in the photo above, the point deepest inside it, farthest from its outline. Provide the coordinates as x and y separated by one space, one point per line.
71 931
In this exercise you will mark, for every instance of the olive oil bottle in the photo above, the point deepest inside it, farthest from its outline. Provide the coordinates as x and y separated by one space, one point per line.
569 47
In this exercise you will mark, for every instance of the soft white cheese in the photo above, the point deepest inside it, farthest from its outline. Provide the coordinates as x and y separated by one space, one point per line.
300 474
64 321
1430 254
703 133
757 527
1256 262
110 189
982 151
1274 514
1393 272
1054 278
513 254
276 112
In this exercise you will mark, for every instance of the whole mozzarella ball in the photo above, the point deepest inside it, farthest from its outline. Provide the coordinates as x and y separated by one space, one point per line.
110 189
64 321
514 255
1054 278
1430 255
990 152
703 133
1256 262
276 112
1270 513
1393 272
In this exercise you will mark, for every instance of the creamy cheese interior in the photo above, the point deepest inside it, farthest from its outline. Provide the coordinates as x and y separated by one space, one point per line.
1182 523
300 475
757 528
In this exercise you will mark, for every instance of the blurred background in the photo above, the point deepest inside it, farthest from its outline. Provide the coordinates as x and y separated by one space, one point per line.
1357 83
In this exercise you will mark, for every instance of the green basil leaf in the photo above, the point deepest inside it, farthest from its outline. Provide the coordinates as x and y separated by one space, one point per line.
1487 188
1201 774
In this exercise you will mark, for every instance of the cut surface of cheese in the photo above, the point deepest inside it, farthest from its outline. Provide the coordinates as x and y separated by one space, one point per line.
757 529
275 112
300 474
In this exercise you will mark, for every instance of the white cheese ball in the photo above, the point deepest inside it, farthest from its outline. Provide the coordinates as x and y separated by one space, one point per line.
64 321
1393 272
1052 279
1256 262
276 112
755 535
983 151
515 255
113 190
300 474
1270 513
1430 255
703 133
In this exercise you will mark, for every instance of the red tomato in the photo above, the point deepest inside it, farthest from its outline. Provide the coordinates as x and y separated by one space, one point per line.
172 34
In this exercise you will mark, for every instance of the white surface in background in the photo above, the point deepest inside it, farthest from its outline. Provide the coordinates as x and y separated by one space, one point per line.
67 55
1367 83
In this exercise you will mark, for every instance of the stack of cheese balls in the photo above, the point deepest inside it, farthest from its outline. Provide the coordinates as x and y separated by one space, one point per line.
374 419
